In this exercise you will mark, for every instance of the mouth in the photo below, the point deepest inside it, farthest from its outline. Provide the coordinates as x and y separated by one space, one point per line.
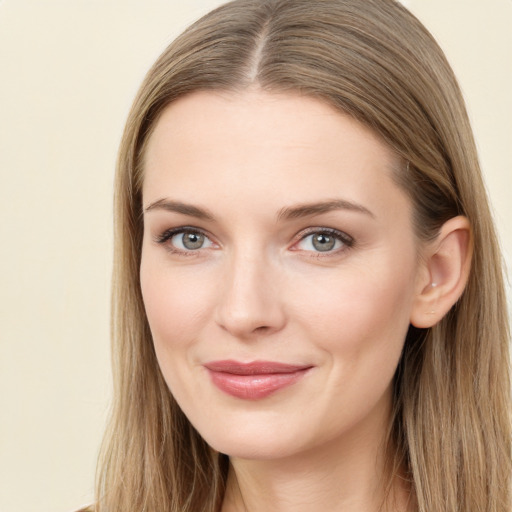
255 380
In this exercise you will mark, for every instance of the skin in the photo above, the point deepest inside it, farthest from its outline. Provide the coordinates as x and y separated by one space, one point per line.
258 289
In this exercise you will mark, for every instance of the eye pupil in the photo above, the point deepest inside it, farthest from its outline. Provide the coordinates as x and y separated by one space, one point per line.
193 240
323 242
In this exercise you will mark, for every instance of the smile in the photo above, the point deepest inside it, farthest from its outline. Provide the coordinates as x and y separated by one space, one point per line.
256 380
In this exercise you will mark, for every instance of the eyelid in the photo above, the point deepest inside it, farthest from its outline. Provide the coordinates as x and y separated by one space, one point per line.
168 234
346 240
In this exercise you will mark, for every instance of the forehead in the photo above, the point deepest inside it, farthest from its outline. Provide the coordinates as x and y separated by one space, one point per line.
259 118
242 147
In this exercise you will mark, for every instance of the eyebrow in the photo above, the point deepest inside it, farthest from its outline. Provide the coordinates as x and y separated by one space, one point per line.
179 207
287 213
310 209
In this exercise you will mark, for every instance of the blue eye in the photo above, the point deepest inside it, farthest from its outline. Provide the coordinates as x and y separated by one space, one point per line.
188 241
326 240
185 240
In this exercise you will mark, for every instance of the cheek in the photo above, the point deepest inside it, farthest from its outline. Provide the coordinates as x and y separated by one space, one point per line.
177 307
177 303
360 326
360 311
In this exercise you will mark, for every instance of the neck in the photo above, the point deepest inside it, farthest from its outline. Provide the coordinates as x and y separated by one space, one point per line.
348 475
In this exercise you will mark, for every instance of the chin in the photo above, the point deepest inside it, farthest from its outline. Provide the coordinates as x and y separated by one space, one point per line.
271 441
253 449
252 442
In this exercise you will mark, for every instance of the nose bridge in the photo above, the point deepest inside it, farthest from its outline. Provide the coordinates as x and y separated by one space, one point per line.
250 300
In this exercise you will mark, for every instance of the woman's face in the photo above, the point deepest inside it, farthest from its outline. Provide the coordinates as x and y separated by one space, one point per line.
279 271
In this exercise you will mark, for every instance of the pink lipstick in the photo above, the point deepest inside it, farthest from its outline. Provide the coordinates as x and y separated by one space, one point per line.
256 380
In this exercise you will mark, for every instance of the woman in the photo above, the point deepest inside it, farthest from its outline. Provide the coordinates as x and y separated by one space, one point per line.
308 298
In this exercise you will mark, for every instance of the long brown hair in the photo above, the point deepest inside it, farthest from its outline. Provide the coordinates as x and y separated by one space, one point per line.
375 61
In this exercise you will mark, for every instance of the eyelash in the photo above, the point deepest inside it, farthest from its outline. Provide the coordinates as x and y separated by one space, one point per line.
167 235
346 240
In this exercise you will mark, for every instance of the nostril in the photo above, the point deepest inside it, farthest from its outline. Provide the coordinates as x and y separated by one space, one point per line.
263 328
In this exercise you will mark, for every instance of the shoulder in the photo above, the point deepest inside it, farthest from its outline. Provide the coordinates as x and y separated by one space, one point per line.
89 508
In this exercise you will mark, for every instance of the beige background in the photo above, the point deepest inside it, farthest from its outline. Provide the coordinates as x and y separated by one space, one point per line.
68 72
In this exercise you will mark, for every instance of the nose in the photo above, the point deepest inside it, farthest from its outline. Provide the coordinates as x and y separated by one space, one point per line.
250 300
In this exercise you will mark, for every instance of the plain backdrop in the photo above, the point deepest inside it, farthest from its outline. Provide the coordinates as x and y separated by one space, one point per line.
68 72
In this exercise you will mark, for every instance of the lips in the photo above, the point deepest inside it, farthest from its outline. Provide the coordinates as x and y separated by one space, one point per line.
255 380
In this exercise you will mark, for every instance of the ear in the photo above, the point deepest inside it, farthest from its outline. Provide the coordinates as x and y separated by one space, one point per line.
447 261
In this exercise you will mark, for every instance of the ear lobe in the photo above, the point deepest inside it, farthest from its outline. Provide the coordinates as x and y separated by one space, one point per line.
447 260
